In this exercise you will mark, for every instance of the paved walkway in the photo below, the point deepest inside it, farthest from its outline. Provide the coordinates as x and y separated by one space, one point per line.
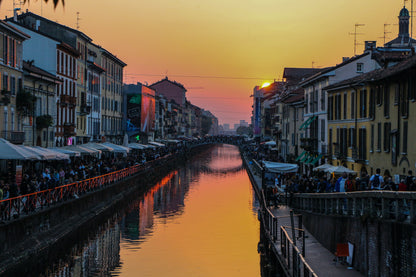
320 259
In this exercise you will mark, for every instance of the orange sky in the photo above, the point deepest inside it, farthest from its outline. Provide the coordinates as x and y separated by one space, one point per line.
245 41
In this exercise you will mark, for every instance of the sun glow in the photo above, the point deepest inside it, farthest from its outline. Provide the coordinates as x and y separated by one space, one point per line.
266 84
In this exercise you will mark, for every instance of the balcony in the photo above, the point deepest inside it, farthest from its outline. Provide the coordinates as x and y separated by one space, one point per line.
309 144
85 109
68 100
69 129
15 137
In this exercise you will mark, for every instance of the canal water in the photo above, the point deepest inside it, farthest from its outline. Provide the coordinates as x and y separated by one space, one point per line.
199 220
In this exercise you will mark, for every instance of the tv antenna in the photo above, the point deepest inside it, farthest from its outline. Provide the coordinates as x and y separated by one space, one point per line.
385 32
17 4
356 25
78 19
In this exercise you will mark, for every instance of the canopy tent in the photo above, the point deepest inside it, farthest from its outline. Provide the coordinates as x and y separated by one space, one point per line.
158 144
46 154
117 148
83 150
98 146
71 153
59 155
323 167
280 167
136 146
9 151
340 169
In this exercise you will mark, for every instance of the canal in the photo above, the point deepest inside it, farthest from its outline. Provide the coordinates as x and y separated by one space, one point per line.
199 220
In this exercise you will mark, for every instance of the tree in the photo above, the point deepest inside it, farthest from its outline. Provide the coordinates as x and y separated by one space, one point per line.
206 123
243 130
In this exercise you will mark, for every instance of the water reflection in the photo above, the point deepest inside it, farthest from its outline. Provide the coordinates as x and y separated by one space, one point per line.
200 220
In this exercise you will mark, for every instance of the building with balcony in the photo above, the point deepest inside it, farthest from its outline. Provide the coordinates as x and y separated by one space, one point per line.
369 120
11 77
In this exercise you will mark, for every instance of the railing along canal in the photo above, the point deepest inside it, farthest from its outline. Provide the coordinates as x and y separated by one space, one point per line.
29 203
386 205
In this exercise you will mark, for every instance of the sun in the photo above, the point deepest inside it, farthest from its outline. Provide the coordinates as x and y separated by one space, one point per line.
266 84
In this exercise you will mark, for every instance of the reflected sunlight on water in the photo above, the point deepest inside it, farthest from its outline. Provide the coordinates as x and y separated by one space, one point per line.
200 220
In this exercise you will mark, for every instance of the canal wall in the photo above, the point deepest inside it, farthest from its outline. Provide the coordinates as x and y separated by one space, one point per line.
32 239
381 247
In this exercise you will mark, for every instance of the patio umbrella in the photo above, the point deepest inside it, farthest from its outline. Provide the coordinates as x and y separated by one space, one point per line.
10 151
59 155
42 154
98 146
339 170
323 167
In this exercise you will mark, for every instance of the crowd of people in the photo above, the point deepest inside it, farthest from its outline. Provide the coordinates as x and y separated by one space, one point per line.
48 175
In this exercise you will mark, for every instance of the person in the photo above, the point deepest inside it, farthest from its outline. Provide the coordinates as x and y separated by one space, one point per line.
409 180
350 183
402 185
340 184
376 181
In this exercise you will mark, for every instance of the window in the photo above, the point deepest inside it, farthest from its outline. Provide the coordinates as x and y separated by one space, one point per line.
363 103
379 95
5 50
372 139
372 108
293 139
306 103
396 94
345 106
311 103
360 67
412 88
13 85
386 101
330 108
352 104
351 137
337 107
5 82
387 129
323 100
378 137
315 101
362 149
330 143
404 101
405 131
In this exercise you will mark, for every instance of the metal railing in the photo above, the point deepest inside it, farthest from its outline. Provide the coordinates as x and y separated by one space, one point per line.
386 205
14 207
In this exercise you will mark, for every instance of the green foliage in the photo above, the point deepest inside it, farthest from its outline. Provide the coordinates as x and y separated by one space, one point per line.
206 123
5 97
243 130
44 121
25 103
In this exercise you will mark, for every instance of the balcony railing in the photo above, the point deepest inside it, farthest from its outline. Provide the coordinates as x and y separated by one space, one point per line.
15 137
85 109
309 144
68 100
69 129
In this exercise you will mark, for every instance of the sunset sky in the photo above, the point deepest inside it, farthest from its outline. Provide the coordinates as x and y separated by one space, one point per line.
219 50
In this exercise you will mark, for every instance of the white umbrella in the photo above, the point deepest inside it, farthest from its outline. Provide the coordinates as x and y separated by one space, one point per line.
323 167
9 151
339 170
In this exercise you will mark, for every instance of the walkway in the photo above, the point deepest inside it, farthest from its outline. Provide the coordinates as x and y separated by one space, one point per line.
320 259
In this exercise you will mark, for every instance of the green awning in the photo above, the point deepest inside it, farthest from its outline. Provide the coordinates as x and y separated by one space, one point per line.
309 160
307 123
300 156
316 159
305 157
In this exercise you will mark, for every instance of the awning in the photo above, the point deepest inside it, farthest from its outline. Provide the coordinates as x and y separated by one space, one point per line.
117 148
307 123
71 153
98 146
300 156
316 159
280 167
158 144
305 157
137 146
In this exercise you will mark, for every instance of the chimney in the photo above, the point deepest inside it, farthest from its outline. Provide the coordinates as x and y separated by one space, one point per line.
15 14
370 45
344 59
37 24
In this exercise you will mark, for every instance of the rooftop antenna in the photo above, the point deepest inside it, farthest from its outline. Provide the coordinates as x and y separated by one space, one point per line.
356 25
385 33
78 19
313 63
